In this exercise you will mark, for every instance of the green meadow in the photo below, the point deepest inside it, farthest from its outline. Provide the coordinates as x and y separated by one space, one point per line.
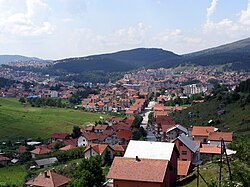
23 121
13 175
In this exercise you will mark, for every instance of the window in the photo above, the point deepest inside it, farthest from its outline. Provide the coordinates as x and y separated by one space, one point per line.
181 144
184 152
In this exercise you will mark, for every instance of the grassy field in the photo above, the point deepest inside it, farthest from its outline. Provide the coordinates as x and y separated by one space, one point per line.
13 175
17 121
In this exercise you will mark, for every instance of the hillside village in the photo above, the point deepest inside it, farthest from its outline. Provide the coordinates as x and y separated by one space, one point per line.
142 102
115 138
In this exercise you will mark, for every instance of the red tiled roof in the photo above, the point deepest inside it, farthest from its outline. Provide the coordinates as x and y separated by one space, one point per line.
92 136
21 149
160 113
41 150
48 179
216 136
89 128
101 127
70 142
202 130
120 148
149 170
59 135
183 167
121 126
124 134
98 148
210 149
67 147
129 120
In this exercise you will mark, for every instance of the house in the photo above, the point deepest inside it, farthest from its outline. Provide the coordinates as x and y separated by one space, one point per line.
59 136
48 179
99 128
207 152
98 149
67 147
202 132
174 131
183 168
88 138
214 138
156 151
4 161
188 150
46 162
139 172
41 150
124 136
119 150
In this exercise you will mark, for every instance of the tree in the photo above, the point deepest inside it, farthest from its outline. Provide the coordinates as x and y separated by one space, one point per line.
137 121
107 158
89 173
76 132
22 100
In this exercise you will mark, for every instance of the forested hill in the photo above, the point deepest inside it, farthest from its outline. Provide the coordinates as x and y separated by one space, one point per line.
237 54
119 61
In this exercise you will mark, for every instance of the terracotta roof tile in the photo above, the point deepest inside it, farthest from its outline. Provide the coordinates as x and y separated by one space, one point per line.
67 147
150 170
59 135
210 149
48 179
183 167
202 130
216 136
121 148
98 148
41 150
124 134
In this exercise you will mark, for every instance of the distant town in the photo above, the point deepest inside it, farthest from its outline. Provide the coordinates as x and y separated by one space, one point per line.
140 104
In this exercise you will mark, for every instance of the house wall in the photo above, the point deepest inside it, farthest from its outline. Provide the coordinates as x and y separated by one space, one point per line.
81 141
124 183
172 172
182 148
203 139
218 143
90 153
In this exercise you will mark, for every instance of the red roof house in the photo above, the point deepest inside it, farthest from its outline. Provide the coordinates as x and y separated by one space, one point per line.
48 179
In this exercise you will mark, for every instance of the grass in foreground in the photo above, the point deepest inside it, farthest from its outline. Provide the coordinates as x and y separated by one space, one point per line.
12 175
209 171
18 121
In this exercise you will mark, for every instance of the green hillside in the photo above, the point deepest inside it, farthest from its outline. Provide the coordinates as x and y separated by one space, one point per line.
17 121
226 116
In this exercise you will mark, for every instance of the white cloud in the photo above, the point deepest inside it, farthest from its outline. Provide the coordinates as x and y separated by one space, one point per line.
211 9
30 19
227 28
245 15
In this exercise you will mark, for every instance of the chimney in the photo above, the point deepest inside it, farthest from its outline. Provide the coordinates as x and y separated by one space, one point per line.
46 174
137 159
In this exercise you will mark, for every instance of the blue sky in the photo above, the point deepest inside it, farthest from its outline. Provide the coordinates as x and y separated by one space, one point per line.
55 29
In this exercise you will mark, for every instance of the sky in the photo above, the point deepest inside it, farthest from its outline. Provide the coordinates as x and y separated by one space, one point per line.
56 29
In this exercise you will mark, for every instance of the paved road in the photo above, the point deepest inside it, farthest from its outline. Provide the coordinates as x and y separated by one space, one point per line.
148 109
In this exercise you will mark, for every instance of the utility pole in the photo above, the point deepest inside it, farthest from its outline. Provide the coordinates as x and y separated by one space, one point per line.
198 175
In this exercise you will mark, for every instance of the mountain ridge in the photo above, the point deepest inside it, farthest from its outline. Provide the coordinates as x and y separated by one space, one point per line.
235 53
15 58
